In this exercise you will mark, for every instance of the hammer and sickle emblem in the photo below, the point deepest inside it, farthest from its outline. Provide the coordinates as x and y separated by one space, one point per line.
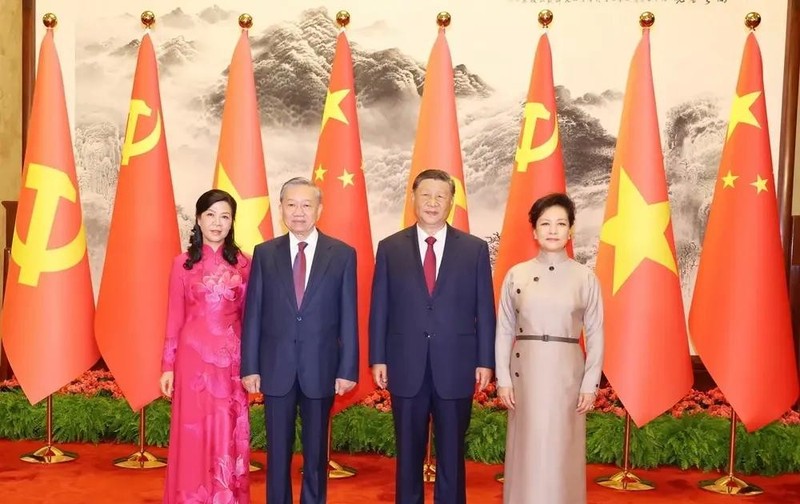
528 153
32 256
459 200
146 144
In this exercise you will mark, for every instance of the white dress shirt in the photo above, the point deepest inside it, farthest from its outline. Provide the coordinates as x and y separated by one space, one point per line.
438 245
311 248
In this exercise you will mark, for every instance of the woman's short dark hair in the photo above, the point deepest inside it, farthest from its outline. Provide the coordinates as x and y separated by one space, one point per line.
230 251
551 200
432 174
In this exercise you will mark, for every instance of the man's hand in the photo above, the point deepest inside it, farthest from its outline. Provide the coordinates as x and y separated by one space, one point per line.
482 377
167 383
252 383
380 375
342 386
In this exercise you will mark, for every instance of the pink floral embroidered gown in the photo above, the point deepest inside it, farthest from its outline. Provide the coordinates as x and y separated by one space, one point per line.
209 442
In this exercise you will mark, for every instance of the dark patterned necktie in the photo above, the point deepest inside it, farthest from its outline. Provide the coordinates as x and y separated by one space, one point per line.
299 272
429 264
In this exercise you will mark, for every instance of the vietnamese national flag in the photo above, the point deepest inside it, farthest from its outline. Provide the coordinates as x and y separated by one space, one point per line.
142 243
646 348
538 167
338 172
49 304
740 320
437 145
240 169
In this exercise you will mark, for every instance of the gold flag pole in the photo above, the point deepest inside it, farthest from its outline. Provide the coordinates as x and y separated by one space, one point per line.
625 479
335 469
141 459
545 18
730 484
245 23
49 454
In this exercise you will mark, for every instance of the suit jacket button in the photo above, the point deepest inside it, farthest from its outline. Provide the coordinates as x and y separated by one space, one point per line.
430 307
299 318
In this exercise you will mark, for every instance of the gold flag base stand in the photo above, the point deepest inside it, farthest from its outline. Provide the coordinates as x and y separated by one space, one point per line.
429 467
49 454
429 473
338 471
255 466
625 480
140 460
730 484
500 478
335 469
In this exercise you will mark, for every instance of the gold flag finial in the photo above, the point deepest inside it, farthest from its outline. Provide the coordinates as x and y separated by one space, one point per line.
148 19
246 21
50 20
545 17
443 19
647 19
342 18
752 20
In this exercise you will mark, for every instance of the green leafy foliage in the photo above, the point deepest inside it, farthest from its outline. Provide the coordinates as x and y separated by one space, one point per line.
692 441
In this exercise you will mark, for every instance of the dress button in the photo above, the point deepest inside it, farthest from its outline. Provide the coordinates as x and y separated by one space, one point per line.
518 291
517 354
551 268
516 374
299 318
535 279
520 329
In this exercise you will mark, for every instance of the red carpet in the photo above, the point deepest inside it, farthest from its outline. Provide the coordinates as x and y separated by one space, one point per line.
92 479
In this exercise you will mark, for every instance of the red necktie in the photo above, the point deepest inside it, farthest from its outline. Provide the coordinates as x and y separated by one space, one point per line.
429 265
299 273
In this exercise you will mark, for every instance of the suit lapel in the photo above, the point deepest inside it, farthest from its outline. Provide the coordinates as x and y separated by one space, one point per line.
319 264
448 258
413 239
283 265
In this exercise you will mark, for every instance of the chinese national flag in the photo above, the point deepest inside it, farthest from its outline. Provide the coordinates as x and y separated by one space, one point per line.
646 347
740 321
142 243
240 168
538 167
338 172
49 304
437 145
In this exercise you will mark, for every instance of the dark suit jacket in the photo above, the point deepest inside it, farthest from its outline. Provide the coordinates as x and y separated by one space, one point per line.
458 320
315 343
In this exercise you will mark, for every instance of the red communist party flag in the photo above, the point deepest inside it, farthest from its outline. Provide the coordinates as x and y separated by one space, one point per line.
49 304
142 243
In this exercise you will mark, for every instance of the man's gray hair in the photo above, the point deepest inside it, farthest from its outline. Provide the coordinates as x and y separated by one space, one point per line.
301 181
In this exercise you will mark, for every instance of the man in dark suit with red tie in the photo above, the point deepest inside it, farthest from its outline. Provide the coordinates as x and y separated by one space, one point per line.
431 335
300 339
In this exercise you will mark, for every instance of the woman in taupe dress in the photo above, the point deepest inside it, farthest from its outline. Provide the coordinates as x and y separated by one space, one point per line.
543 377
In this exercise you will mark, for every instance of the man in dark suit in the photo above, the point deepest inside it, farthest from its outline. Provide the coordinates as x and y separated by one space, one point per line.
300 339
431 335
